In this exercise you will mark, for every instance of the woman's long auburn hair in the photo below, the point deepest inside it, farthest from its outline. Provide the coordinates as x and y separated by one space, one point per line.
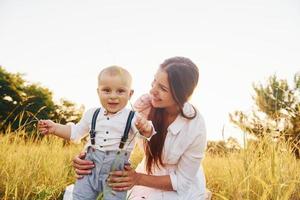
183 77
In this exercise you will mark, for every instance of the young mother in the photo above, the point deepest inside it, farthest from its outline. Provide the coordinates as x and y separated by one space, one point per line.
171 166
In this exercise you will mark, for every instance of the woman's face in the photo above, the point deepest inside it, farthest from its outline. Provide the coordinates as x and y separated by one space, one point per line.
161 92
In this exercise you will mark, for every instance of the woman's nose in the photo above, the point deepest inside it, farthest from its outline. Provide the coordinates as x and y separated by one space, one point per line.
153 90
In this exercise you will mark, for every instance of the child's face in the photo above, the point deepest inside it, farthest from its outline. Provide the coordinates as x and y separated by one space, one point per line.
114 92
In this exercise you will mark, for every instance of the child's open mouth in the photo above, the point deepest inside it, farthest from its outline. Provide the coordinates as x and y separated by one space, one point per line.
113 104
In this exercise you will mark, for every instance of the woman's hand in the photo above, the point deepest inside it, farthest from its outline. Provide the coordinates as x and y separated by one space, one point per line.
82 166
123 180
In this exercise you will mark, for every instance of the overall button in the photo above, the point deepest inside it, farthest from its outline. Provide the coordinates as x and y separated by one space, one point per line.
106 132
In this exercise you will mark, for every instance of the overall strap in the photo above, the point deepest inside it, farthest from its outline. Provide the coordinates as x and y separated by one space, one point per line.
127 129
92 131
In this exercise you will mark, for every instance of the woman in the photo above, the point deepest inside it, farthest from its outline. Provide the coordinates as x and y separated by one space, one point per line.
171 166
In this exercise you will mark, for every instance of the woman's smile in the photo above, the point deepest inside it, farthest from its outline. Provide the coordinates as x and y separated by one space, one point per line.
155 98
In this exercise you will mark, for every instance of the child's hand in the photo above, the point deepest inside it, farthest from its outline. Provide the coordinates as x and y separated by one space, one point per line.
143 125
46 127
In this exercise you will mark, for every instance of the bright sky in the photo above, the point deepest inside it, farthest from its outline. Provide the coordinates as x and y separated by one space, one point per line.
63 44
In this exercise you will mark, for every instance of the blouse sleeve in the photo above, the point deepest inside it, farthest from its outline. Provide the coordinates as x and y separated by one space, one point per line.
189 162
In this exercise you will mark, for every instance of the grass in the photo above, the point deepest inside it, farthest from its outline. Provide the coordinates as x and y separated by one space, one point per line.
262 171
32 169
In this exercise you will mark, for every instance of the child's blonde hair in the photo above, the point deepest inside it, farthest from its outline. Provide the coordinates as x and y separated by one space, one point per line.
116 71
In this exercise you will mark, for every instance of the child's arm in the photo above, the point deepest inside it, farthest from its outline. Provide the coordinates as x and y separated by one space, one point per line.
50 127
142 107
144 126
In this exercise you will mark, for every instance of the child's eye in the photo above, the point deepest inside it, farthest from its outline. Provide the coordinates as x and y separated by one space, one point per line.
106 90
120 91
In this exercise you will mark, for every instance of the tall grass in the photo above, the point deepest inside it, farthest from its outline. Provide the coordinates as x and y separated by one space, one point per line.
38 169
264 170
31 169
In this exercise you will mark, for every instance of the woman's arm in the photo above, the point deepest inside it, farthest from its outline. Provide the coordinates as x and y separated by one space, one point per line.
179 180
159 182
125 180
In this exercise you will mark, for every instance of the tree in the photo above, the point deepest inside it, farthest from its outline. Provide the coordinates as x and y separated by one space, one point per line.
11 87
23 103
67 111
276 113
223 147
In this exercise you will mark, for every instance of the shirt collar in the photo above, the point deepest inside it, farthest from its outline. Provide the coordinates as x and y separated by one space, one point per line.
180 121
115 114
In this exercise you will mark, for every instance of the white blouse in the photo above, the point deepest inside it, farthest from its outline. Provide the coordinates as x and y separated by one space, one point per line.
182 154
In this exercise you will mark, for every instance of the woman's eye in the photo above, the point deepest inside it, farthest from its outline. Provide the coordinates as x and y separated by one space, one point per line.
163 89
